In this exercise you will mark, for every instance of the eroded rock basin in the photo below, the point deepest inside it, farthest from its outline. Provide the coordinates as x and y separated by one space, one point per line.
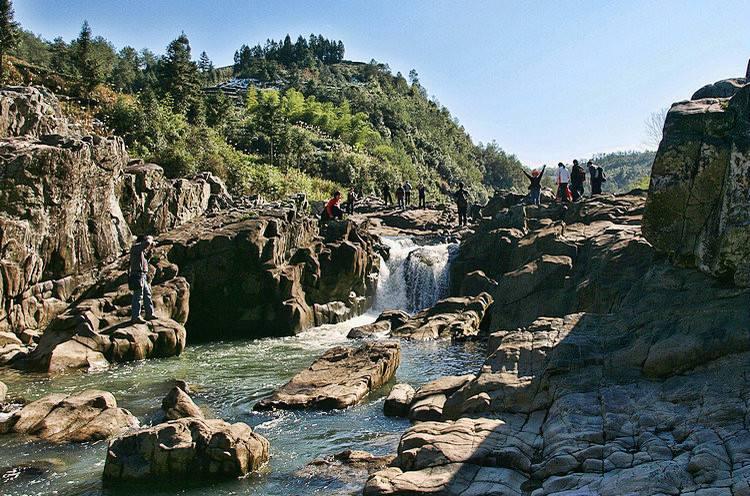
227 380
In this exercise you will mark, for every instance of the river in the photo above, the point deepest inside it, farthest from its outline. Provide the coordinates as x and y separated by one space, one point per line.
229 377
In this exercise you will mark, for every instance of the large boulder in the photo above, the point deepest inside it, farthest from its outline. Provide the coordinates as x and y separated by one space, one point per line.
262 273
398 401
340 378
87 416
698 210
457 319
188 449
97 331
178 404
30 111
153 204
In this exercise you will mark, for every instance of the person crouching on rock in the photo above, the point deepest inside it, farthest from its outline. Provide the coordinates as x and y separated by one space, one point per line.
138 279
462 202
535 185
333 209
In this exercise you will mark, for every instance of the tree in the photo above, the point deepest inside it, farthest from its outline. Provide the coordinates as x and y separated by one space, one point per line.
60 59
413 77
89 68
206 68
655 127
179 75
125 73
8 33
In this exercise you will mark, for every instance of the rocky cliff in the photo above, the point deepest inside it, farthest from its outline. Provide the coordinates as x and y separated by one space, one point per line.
609 371
698 210
70 205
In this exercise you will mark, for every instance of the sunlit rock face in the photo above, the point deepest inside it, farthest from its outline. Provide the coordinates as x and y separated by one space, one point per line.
698 208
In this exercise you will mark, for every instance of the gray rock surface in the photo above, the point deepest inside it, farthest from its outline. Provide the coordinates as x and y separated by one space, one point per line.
398 401
178 404
456 319
637 384
340 378
698 209
188 449
87 416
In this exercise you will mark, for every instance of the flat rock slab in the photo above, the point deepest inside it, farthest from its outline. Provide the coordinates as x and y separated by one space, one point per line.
342 377
186 449
456 319
87 416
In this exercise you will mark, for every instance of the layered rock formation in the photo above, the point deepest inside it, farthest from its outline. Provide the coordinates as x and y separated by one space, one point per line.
616 373
698 209
553 261
87 416
70 203
188 449
340 378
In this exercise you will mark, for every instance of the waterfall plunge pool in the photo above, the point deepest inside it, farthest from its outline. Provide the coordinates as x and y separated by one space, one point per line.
229 377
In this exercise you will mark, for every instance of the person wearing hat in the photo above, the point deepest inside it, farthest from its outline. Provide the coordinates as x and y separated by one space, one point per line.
535 185
138 279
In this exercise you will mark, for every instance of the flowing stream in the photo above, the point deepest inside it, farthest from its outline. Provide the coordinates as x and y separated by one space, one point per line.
229 377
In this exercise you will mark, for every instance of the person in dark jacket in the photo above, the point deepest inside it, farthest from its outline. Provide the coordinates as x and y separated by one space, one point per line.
400 193
387 198
596 174
138 279
351 198
535 185
462 202
577 180
422 195
407 193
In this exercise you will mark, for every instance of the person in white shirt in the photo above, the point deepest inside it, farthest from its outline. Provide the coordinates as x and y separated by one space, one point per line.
563 178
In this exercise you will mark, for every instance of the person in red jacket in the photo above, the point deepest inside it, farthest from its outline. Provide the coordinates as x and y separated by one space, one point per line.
333 208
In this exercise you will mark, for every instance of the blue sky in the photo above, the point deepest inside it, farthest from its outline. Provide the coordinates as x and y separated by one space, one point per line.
549 81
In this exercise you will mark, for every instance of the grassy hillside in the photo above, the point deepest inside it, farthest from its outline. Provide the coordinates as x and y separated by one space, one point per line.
626 170
309 120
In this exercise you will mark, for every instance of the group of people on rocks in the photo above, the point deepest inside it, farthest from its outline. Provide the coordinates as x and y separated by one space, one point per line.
570 183
403 195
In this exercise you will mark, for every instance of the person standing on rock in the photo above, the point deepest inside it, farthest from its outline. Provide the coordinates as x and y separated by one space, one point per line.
577 181
407 193
535 185
562 178
400 193
422 195
462 202
138 279
387 199
597 178
351 198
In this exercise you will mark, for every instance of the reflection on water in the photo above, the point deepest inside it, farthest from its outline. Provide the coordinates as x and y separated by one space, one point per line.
227 379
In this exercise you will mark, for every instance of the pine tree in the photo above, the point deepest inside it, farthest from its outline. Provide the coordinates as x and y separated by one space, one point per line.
206 68
89 68
179 75
8 33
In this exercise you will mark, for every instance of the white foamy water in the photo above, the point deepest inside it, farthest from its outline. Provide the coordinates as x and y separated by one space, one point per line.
414 277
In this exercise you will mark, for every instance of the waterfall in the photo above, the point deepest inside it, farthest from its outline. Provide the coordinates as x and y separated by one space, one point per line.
414 277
